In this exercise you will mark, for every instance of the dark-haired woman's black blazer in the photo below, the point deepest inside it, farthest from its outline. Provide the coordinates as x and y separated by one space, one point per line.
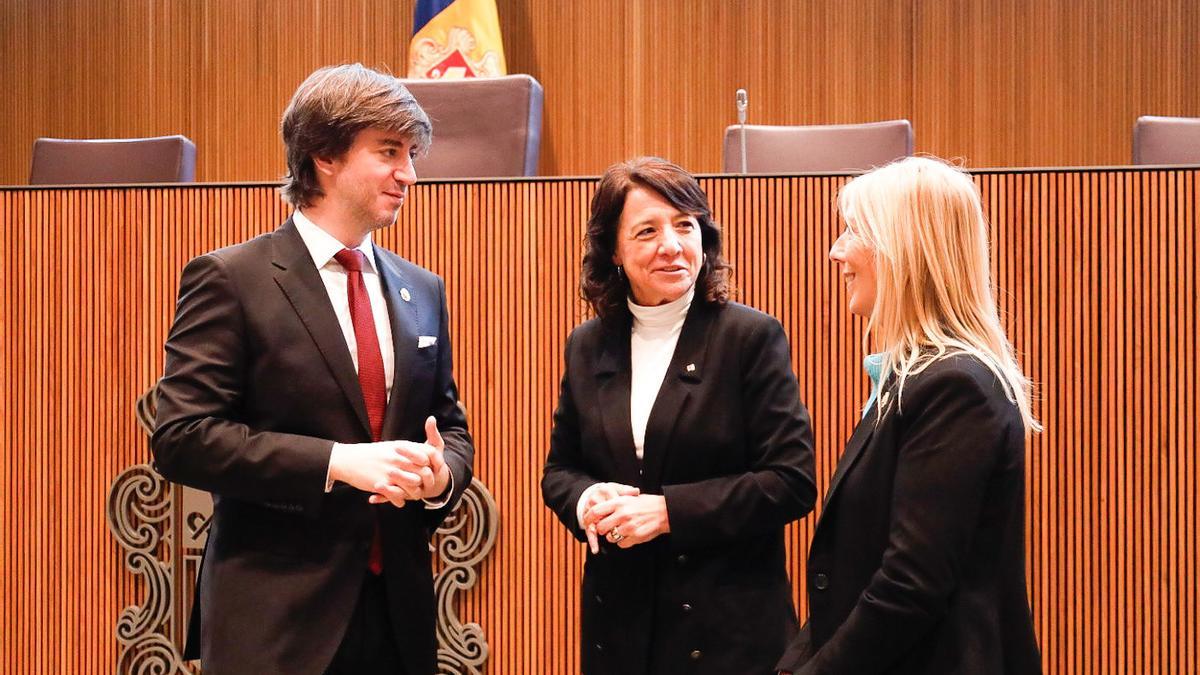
917 563
730 446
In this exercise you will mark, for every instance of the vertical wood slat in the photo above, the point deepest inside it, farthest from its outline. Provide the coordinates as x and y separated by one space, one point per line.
1057 82
1097 272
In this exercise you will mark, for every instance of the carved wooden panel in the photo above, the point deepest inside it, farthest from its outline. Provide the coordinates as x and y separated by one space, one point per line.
163 527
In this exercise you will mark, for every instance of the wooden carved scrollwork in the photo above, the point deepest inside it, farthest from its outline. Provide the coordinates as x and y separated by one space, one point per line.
144 514
162 527
462 542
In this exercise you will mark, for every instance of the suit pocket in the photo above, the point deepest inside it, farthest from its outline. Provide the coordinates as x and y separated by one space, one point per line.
244 527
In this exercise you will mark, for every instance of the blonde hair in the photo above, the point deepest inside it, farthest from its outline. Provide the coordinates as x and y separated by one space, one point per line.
934 297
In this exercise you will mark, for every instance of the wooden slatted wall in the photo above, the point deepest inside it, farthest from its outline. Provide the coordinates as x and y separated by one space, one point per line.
1001 83
1098 275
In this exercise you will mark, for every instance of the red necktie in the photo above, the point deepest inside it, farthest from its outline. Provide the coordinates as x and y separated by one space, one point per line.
370 364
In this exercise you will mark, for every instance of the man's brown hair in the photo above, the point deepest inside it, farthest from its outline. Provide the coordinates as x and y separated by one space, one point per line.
327 112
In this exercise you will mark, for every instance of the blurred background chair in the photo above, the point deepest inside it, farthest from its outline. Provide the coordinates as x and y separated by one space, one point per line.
1166 140
482 127
67 161
834 147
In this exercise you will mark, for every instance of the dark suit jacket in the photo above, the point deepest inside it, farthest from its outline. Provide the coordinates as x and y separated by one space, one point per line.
730 446
917 563
259 384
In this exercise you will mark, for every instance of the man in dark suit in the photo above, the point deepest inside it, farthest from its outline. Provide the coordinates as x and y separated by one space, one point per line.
308 387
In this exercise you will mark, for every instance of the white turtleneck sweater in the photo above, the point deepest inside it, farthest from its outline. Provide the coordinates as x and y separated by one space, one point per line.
651 346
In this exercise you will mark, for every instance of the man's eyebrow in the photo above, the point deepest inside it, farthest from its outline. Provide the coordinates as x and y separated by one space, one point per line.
392 142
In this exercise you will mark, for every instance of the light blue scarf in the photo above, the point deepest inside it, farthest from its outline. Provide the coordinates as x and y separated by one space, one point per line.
873 363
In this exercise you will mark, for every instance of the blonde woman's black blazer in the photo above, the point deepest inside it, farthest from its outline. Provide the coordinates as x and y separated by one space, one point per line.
917 563
729 444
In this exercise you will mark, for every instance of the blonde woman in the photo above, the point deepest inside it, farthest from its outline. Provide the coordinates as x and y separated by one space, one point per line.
917 564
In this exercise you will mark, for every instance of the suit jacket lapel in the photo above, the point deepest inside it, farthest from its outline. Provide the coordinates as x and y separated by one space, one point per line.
854 447
403 316
684 373
300 281
612 371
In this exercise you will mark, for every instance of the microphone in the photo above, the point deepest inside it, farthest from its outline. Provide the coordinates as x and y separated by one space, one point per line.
743 102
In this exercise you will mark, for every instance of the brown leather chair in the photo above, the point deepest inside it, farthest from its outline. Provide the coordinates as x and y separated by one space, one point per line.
1166 140
482 127
834 147
68 161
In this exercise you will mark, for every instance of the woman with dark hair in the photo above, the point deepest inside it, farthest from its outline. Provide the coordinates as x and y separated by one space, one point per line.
680 447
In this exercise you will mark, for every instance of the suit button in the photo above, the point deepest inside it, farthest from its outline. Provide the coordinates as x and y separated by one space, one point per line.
682 560
686 607
696 654
821 581
599 599
599 647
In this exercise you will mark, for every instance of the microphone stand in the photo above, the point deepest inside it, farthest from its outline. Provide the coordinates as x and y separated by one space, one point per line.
742 104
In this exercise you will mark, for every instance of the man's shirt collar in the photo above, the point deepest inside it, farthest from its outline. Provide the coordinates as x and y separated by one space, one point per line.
322 246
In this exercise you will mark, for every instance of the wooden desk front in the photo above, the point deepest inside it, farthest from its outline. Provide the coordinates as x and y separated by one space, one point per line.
1097 271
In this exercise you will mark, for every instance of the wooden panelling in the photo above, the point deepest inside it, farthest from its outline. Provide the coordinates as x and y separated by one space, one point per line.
1097 272
1050 83
997 82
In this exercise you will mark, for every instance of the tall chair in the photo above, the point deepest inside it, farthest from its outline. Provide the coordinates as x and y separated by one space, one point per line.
66 161
834 147
482 127
1166 140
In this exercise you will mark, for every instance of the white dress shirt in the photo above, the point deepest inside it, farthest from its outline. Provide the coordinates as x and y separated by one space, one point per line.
322 246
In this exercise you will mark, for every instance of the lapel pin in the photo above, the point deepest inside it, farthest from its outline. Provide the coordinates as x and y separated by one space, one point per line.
405 294
691 368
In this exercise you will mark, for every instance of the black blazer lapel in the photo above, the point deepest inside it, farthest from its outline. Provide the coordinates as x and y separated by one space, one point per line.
403 315
300 281
854 447
612 372
684 373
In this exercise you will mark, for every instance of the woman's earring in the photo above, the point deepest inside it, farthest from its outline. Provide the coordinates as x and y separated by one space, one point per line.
620 271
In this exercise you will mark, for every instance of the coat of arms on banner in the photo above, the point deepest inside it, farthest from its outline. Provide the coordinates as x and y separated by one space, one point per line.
452 60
